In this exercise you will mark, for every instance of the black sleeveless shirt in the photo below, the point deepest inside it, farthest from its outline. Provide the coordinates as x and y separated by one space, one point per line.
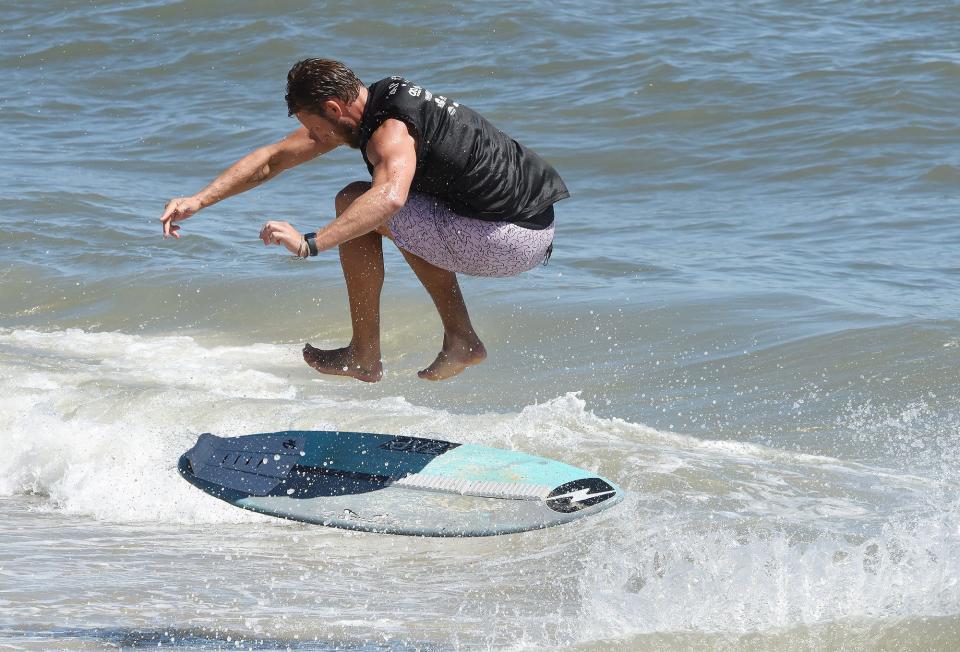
462 159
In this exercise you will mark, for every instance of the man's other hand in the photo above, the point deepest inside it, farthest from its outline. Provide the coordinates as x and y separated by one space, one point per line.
282 233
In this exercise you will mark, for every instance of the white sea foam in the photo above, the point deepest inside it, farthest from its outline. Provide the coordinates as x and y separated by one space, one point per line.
679 576
96 421
80 411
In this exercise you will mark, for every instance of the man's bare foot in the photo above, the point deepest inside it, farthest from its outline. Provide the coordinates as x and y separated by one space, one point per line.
457 354
341 362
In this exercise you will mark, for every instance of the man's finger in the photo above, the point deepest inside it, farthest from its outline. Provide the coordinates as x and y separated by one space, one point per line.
269 233
170 209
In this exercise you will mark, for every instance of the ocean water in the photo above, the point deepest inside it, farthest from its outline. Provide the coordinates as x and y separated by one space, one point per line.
750 322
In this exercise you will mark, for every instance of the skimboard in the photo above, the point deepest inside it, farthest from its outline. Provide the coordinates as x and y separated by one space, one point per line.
393 484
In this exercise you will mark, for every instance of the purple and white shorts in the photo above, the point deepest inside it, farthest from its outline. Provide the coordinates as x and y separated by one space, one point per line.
426 227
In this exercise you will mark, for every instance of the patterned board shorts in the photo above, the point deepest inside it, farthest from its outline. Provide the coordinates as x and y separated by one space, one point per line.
427 228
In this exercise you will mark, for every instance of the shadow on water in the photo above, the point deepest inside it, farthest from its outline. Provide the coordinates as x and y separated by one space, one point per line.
193 638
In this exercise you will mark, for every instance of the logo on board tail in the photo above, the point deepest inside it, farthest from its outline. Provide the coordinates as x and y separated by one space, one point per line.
576 495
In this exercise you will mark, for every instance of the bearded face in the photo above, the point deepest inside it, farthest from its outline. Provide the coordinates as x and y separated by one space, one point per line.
348 131
336 128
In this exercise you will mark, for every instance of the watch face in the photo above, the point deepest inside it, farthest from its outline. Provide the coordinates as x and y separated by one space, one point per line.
311 239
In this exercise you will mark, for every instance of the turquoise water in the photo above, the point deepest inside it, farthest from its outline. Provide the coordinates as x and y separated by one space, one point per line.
749 322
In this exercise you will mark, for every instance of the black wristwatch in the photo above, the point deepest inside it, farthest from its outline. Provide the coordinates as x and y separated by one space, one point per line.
311 239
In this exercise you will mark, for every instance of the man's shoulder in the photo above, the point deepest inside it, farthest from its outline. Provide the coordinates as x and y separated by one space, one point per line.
390 87
392 82
395 96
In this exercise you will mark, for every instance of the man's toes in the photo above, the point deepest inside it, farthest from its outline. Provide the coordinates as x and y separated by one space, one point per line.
442 368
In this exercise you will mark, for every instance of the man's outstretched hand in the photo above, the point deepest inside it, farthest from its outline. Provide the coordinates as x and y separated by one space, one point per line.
177 209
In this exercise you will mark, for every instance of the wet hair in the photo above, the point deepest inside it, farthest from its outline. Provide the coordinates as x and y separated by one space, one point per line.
312 82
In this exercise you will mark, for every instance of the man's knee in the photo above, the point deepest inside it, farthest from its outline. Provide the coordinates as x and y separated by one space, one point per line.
349 195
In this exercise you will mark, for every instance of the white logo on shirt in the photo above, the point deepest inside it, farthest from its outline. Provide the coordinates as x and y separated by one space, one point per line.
418 91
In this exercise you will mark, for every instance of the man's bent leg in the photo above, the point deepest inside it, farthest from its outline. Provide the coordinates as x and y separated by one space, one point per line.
362 263
461 346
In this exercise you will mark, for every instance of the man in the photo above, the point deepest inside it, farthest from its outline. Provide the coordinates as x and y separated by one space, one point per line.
451 190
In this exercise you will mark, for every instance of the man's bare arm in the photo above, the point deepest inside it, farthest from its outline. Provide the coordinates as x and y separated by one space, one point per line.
258 166
393 153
